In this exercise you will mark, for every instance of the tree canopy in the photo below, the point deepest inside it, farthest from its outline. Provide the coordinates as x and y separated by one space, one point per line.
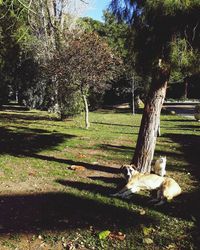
157 24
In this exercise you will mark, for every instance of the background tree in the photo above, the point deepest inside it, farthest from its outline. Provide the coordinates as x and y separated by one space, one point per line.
39 36
156 25
85 64
116 34
9 50
183 59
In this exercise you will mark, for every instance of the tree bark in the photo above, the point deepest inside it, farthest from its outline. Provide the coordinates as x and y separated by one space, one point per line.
87 124
186 88
146 142
133 94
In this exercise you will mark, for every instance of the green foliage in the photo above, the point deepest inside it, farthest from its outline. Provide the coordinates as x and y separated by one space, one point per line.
155 24
70 103
197 109
113 31
116 34
104 234
171 7
184 59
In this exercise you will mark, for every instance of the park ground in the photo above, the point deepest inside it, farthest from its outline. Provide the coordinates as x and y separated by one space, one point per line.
47 205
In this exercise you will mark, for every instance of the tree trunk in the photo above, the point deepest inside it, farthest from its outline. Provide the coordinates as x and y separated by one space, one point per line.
133 94
146 142
186 88
87 124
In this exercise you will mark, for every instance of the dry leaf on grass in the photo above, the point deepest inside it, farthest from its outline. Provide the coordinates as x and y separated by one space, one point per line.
117 236
82 156
77 168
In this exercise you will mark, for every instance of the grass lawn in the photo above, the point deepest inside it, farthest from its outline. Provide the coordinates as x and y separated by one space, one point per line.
46 205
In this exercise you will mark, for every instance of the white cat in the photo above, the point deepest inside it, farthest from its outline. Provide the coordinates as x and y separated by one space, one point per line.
160 165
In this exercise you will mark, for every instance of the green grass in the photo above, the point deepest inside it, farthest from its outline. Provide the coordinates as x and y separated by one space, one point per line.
41 196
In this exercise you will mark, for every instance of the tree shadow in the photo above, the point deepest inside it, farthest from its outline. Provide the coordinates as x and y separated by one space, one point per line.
93 167
62 211
189 127
114 124
27 117
190 146
180 119
119 181
29 141
178 208
14 107
182 207
125 133
112 109
123 110
117 148
140 199
92 187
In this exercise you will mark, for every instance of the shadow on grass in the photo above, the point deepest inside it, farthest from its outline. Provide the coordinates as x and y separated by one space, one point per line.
18 115
182 206
61 211
27 117
190 146
88 166
111 109
13 107
117 148
189 127
180 119
120 182
92 187
29 141
114 124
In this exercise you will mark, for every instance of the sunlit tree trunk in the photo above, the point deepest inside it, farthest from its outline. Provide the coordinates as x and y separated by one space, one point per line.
87 124
150 123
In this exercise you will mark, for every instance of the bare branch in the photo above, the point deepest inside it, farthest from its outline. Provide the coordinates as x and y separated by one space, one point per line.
27 7
194 31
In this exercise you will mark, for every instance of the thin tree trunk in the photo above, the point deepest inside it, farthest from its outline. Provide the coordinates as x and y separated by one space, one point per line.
87 124
146 142
133 94
186 88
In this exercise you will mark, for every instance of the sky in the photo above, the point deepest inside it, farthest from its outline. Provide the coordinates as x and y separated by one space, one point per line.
96 12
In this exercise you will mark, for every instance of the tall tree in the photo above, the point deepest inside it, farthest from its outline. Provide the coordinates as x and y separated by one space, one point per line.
156 25
11 28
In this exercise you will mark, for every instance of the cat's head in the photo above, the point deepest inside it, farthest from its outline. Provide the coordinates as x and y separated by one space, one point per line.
162 159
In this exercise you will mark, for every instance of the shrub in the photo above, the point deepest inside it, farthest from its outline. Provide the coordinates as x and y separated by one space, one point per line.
197 112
